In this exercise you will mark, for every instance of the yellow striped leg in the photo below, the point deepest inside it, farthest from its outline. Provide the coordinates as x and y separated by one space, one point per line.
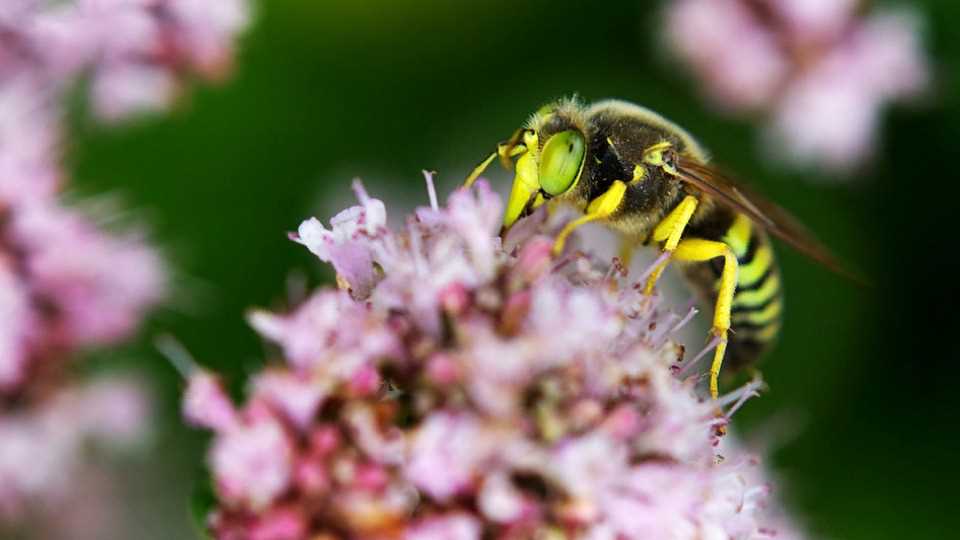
670 229
699 250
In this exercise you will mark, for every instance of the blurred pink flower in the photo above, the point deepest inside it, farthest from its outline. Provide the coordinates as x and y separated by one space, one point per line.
501 394
135 51
44 445
448 527
323 334
297 397
814 21
739 60
29 133
67 283
64 284
819 71
116 410
121 90
205 31
99 284
253 461
206 403
15 327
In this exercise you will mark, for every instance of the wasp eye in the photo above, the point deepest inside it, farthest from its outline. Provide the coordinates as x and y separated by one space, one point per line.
560 161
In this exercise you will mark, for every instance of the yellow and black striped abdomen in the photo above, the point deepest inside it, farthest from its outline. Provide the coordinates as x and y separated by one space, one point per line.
758 301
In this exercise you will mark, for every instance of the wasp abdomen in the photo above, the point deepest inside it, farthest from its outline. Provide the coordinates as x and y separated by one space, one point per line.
758 300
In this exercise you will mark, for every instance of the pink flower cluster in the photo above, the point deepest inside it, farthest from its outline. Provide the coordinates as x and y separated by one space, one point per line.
820 71
458 388
67 282
135 52
45 445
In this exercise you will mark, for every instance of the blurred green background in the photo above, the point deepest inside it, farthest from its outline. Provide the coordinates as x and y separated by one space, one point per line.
862 402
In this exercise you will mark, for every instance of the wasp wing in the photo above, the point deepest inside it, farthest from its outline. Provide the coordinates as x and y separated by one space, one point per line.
768 215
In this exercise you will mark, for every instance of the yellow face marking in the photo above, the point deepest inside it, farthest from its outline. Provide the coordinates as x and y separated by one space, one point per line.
758 296
526 183
738 236
762 259
763 316
639 174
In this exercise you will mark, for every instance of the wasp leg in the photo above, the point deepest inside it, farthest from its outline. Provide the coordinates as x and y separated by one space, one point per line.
670 229
699 250
600 208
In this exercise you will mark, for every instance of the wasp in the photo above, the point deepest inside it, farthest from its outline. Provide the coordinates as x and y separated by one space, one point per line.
636 172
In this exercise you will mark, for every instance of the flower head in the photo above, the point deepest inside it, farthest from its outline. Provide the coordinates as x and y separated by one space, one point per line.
135 51
820 71
66 282
465 391
100 284
47 443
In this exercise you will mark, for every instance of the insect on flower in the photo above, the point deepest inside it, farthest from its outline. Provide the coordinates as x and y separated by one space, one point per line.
638 173
430 396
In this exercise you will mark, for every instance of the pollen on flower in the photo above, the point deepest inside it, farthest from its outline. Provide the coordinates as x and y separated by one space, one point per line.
469 391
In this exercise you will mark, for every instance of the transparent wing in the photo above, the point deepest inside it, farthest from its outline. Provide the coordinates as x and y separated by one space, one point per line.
764 213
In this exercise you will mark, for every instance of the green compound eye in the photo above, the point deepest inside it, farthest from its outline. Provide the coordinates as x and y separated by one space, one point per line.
560 161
